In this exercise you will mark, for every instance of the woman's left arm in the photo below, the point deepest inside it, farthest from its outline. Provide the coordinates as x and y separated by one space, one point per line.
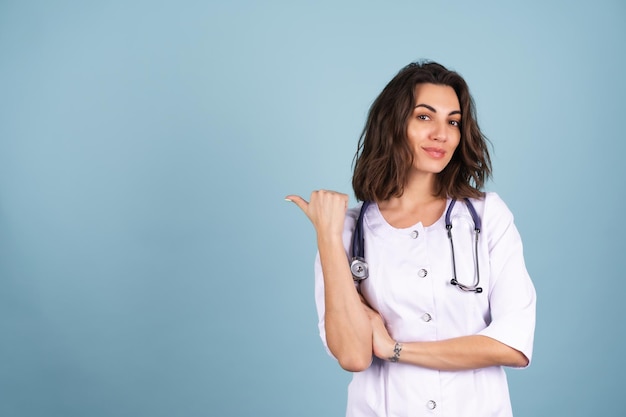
460 353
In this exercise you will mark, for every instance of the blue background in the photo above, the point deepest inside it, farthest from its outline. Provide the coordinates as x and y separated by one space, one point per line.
149 265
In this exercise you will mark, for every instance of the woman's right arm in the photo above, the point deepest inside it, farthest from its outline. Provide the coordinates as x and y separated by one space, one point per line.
347 325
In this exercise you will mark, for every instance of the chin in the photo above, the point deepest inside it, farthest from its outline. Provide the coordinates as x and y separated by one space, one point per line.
433 169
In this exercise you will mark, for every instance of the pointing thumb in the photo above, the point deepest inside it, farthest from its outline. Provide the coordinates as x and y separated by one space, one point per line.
298 201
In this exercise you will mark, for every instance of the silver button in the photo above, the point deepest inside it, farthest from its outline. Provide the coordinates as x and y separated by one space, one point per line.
431 405
427 317
422 273
415 234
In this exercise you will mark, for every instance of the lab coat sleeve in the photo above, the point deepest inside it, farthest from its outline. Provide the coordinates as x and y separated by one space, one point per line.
512 296
349 225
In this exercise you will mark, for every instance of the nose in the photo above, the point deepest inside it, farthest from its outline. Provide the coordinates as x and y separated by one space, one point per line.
440 131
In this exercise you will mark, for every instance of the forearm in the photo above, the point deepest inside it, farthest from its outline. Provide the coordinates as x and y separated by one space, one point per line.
462 353
348 329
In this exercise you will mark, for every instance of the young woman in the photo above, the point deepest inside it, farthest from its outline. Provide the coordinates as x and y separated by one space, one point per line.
448 301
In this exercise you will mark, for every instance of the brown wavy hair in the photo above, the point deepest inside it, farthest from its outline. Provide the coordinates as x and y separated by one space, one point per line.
383 158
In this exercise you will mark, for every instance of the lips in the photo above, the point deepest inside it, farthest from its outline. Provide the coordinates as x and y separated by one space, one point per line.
436 153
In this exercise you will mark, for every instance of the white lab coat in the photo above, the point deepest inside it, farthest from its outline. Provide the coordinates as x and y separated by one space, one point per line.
409 285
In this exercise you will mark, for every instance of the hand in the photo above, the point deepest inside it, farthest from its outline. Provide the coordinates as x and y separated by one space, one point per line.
327 211
382 343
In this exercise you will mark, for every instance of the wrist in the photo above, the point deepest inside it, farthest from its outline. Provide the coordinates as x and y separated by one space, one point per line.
329 239
396 351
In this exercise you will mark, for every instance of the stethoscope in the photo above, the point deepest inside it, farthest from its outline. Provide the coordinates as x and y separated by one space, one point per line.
360 268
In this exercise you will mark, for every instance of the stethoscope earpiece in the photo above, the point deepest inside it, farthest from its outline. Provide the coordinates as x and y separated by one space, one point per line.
465 288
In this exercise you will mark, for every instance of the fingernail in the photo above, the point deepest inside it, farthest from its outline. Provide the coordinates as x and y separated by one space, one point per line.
288 199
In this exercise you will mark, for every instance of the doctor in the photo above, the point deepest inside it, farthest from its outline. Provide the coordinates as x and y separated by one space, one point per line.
418 344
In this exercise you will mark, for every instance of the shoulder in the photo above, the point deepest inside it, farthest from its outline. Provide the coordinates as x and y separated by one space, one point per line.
349 225
492 204
495 206
495 215
352 216
353 212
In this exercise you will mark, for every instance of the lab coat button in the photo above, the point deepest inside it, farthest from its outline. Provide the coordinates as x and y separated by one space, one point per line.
422 273
415 234
431 405
427 317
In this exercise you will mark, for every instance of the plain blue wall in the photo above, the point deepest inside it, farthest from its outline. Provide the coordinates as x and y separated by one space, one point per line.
148 263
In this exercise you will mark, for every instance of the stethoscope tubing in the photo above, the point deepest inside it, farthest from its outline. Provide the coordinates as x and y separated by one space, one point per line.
360 268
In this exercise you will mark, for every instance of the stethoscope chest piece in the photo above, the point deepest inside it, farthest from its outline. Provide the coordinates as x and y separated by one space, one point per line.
359 268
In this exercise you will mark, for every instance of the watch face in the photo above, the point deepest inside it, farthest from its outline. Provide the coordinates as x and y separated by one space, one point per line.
358 267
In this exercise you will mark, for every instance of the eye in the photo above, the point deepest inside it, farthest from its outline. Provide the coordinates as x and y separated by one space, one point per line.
423 117
455 123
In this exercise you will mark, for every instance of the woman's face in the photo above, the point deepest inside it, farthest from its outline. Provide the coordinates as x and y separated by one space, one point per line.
434 128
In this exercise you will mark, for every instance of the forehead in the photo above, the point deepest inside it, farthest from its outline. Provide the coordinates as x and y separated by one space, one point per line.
437 95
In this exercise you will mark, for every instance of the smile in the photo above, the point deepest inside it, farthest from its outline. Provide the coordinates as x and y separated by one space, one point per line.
436 153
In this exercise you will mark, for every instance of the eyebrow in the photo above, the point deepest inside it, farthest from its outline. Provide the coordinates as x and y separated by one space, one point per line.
432 109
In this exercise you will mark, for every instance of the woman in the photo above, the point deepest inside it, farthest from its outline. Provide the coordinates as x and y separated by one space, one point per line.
431 328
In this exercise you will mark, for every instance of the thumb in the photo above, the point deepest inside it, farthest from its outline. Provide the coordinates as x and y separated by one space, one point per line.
298 201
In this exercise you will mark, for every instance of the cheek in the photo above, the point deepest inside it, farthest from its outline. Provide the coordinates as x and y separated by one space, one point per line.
455 142
413 130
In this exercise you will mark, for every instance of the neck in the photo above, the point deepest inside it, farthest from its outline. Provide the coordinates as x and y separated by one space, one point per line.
418 190
417 204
